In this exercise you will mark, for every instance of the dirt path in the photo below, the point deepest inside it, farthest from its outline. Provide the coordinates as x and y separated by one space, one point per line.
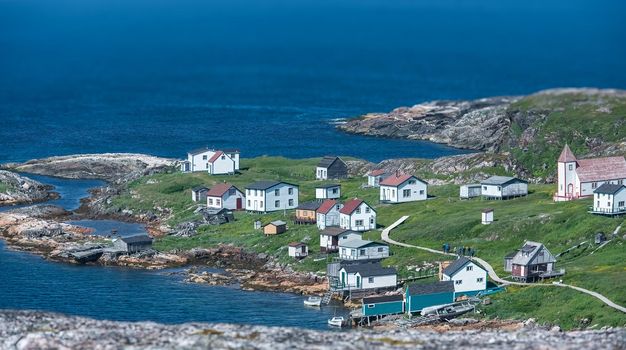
492 273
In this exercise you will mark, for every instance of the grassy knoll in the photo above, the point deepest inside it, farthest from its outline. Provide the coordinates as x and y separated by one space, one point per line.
3 187
443 218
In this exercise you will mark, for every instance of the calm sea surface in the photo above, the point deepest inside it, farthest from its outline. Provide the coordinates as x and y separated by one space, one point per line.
271 76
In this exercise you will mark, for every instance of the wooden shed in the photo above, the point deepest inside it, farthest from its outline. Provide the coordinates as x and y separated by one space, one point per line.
298 250
275 228
419 296
133 244
383 305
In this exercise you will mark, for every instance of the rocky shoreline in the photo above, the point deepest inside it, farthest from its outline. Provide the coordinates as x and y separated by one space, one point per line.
22 190
25 330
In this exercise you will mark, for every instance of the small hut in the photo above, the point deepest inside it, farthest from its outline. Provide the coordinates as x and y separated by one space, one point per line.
298 250
487 216
275 228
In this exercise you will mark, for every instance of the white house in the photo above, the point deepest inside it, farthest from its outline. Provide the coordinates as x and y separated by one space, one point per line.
213 161
298 250
198 194
329 191
609 199
267 196
374 177
327 214
504 187
400 188
357 215
225 195
469 278
487 216
469 191
359 249
367 276
331 236
578 178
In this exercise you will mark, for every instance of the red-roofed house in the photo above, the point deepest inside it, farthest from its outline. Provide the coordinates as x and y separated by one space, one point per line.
328 214
400 188
374 177
578 178
225 195
356 215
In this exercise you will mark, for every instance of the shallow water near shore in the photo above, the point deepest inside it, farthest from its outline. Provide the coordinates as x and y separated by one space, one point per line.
29 282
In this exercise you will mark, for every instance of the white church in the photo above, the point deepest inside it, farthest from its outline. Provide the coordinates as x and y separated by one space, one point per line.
579 178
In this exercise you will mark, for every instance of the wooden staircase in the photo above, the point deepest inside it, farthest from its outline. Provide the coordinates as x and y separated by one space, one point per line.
327 297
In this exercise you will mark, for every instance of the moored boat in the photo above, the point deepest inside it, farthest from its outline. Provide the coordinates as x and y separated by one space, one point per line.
337 321
313 301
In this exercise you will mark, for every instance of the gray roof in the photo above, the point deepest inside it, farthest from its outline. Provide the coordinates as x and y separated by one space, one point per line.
527 253
328 161
313 205
432 288
359 243
140 238
456 265
369 269
501 180
609 188
199 188
335 231
328 186
198 150
266 184
511 255
383 299
278 223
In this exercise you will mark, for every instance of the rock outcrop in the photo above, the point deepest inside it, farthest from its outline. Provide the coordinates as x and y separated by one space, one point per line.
26 330
16 189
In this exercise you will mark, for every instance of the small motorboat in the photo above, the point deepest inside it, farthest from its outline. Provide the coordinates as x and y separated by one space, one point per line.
337 321
313 301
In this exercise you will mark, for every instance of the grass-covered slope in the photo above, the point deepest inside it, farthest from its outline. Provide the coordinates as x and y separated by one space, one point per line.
443 218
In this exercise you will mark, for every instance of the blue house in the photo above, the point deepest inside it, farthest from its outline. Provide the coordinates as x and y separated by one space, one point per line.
419 296
383 305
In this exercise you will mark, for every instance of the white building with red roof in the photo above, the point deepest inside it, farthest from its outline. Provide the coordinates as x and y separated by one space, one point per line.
375 176
225 196
213 161
328 214
401 188
356 215
578 178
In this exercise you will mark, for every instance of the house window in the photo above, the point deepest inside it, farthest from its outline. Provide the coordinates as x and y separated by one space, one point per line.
458 282
277 204
358 211
371 306
290 190
594 185
484 188
499 189
277 192
598 204
469 268
479 279
249 203
223 157
204 157
217 202
370 280
231 191
608 204
362 252
367 210
406 193
393 193
371 221
210 201
261 203
620 204
291 202
335 191
421 192
380 249
255 193
411 182
359 223
571 167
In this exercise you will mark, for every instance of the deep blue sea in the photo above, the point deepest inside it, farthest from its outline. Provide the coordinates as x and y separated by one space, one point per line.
270 76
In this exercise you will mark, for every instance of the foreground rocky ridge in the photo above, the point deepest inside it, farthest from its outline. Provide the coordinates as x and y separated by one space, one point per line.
25 330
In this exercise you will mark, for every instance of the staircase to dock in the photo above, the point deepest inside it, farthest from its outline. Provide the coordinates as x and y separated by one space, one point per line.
327 297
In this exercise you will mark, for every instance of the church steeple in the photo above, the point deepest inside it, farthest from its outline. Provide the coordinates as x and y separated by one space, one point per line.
567 155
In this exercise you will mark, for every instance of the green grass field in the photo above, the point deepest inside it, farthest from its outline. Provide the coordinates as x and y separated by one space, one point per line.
3 187
443 218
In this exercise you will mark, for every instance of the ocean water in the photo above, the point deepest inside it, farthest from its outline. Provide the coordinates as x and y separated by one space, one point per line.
30 282
272 76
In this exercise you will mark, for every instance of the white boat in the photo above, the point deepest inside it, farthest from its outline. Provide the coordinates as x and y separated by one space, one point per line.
313 301
337 321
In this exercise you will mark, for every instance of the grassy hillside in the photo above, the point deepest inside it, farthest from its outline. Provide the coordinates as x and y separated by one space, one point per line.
444 218
543 123
3 187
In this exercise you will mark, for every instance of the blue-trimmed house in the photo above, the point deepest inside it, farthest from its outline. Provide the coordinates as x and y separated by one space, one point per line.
383 305
469 277
419 296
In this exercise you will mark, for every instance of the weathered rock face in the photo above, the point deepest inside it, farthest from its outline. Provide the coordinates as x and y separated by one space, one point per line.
22 190
479 124
26 330
114 167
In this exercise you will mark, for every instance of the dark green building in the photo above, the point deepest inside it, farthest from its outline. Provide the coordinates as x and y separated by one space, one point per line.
419 296
383 305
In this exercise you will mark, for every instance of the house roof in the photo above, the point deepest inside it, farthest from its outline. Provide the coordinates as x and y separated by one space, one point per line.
296 244
215 156
398 179
199 188
377 172
326 206
369 269
501 180
359 243
220 189
431 288
601 169
457 265
383 299
266 184
199 150
327 185
327 161
487 210
609 188
139 238
277 223
231 150
527 253
511 255
313 205
350 206
567 155
334 231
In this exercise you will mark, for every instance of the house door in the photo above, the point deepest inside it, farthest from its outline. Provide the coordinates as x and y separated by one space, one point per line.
239 205
570 189
358 281
343 279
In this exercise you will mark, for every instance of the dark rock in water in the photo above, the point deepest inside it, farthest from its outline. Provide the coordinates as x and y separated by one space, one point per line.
27 330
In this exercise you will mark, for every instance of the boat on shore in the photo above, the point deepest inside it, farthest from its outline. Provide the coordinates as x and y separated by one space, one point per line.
313 301
448 311
337 321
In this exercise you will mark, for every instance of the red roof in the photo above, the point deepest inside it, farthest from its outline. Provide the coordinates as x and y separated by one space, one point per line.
215 156
326 206
219 189
601 169
395 180
350 206
567 155
377 172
